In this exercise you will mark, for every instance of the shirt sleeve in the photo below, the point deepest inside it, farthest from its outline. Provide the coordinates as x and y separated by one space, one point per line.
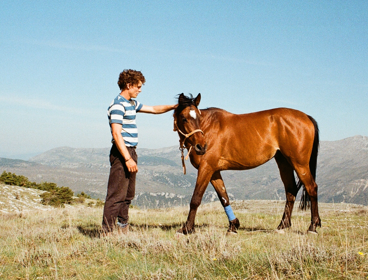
116 113
138 106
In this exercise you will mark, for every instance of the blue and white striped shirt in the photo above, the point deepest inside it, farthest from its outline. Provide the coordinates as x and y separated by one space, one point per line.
123 111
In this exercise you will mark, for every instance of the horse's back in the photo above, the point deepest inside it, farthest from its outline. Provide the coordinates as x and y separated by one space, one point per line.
249 140
278 122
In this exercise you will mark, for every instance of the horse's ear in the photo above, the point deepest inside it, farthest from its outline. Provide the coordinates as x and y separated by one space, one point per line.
197 99
181 98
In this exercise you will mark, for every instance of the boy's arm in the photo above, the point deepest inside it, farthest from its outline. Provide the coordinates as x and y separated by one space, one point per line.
158 109
119 142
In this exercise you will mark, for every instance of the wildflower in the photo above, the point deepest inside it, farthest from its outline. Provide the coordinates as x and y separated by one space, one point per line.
214 259
361 253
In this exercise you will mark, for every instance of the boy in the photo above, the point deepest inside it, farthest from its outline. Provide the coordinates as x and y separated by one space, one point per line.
123 157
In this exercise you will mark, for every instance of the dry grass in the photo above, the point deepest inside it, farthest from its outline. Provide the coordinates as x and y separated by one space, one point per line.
65 244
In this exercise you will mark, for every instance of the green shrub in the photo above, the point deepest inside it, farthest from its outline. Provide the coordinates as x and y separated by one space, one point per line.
82 194
46 186
57 197
13 180
99 203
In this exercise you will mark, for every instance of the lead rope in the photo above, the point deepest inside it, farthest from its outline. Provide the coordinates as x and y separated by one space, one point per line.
182 147
186 158
182 160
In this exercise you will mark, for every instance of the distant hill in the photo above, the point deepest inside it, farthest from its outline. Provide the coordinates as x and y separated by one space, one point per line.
342 174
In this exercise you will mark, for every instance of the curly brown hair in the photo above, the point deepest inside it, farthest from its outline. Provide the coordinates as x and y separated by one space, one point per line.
129 76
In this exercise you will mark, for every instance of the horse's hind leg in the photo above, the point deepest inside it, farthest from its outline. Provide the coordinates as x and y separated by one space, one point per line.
287 177
219 186
311 187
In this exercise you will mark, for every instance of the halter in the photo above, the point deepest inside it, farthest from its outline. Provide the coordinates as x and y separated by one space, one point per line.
182 146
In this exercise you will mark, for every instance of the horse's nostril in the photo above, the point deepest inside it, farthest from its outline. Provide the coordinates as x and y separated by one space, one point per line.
200 150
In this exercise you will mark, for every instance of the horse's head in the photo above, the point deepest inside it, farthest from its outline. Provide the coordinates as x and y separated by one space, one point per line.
187 123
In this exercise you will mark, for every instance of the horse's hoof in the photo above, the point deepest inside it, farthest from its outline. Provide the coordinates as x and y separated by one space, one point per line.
231 233
235 223
233 226
312 232
280 231
185 231
180 232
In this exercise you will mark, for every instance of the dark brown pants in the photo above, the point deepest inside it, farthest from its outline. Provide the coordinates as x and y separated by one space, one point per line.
120 190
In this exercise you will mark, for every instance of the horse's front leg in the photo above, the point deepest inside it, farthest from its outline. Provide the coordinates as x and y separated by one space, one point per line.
203 178
219 186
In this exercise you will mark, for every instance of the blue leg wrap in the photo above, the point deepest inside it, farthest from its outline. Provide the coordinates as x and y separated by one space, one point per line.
229 212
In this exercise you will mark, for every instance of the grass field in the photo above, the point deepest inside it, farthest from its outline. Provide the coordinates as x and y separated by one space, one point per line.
64 244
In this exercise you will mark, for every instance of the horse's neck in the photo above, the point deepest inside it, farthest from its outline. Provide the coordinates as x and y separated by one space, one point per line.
212 117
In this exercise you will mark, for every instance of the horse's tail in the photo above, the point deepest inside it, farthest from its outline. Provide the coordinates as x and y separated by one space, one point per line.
305 199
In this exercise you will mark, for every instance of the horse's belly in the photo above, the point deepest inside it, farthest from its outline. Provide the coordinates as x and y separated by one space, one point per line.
243 163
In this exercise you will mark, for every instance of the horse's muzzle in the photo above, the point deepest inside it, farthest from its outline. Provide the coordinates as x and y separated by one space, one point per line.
200 150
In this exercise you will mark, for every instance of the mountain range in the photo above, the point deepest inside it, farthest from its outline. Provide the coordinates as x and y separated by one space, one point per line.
342 174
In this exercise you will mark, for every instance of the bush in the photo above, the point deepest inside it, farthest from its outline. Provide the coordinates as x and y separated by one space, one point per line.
82 194
13 180
57 197
46 186
99 203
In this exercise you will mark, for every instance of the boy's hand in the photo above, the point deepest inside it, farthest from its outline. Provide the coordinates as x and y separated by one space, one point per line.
131 165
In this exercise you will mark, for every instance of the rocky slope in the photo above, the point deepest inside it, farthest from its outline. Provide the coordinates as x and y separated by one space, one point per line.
18 199
342 174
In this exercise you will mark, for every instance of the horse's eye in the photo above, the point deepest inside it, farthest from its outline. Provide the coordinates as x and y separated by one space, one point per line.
184 120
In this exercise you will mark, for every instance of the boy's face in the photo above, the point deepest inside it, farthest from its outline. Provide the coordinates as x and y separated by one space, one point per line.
134 90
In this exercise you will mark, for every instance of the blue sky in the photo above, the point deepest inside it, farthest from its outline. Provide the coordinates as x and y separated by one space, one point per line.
60 61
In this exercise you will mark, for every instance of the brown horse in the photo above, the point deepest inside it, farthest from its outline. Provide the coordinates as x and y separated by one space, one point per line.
225 141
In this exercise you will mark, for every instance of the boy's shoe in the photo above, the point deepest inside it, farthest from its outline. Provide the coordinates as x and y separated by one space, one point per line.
122 228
